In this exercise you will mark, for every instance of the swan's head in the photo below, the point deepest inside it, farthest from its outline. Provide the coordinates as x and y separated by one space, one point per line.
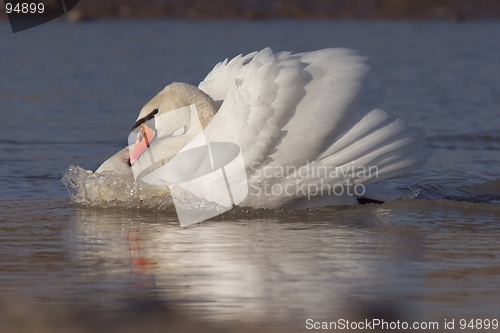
166 122
163 127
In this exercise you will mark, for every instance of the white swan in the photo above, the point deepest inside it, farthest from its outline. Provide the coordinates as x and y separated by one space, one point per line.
286 112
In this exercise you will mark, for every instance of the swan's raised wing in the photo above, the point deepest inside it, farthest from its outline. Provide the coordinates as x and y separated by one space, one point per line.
292 116
286 109
221 78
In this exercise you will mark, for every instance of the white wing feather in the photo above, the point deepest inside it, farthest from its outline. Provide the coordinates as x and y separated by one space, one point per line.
291 110
221 78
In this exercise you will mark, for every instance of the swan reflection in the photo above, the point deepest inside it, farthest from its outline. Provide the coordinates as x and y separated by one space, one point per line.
247 266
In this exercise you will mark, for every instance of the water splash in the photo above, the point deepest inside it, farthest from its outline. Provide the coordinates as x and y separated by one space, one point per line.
109 189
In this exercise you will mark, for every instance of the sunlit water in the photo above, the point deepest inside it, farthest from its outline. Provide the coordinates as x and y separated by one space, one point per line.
70 93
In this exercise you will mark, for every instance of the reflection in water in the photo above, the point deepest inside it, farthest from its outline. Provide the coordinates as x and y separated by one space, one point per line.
279 267
403 260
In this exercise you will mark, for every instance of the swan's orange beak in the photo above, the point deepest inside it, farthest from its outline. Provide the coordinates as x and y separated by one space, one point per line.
144 138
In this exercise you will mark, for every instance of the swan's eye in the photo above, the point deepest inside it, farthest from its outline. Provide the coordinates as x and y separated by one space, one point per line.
145 119
180 131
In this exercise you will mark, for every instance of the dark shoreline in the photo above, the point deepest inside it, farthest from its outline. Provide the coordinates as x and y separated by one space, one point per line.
444 10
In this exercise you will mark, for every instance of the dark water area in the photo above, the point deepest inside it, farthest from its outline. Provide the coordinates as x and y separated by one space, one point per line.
70 93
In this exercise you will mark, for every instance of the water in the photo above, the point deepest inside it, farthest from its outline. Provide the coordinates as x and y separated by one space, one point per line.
70 93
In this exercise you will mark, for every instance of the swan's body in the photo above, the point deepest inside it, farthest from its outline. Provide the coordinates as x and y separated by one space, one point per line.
286 112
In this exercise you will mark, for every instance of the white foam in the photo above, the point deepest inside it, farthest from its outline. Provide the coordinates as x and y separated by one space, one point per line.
109 189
